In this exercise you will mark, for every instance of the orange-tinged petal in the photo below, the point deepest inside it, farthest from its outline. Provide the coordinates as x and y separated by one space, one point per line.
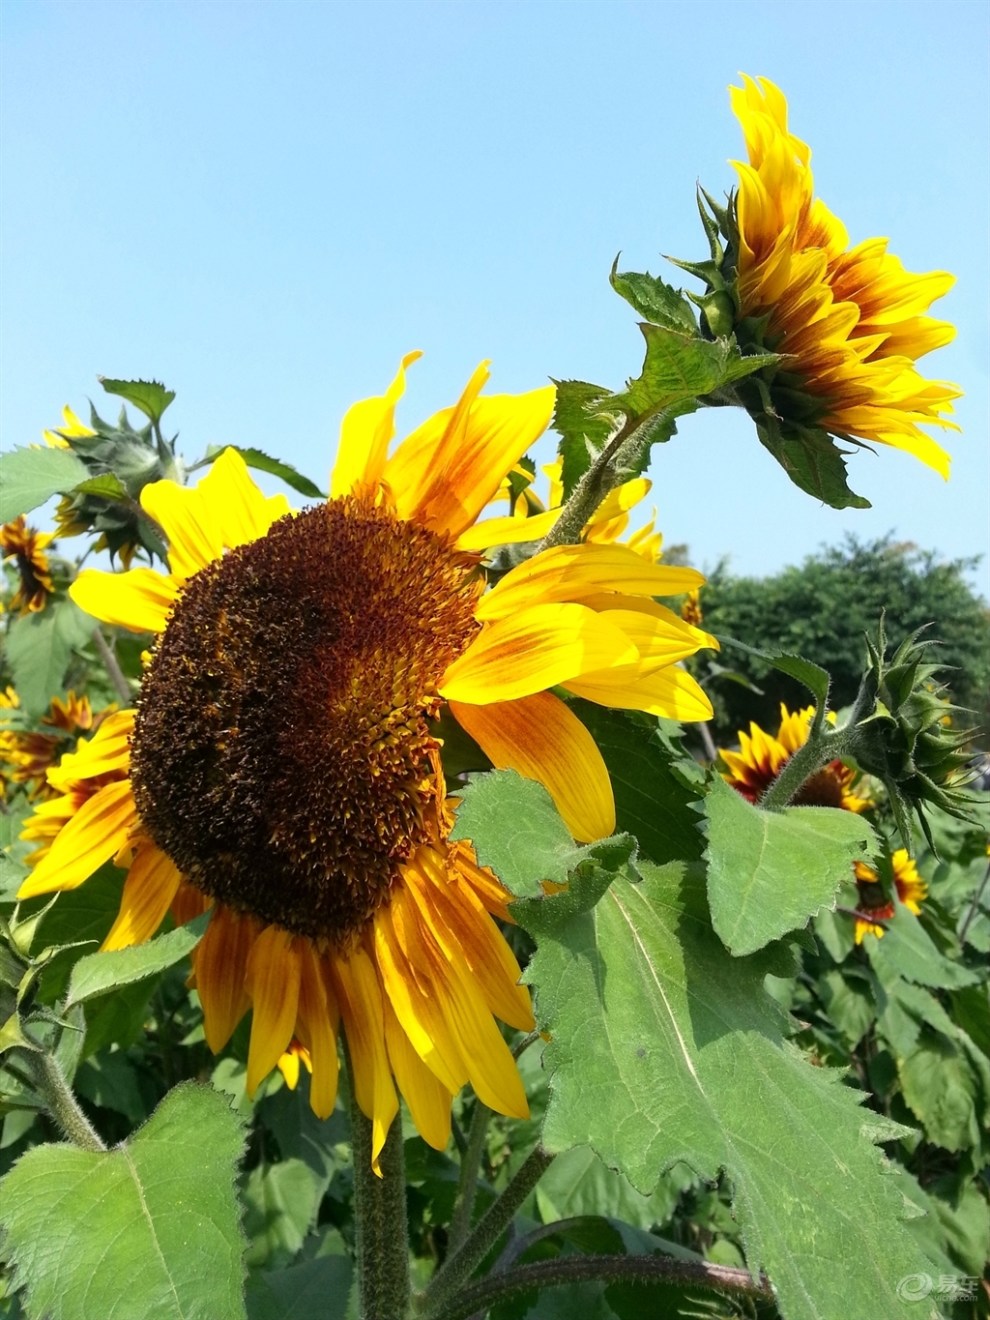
94 835
534 649
573 572
360 998
107 752
140 599
318 1019
273 975
365 435
220 963
540 738
428 1099
152 883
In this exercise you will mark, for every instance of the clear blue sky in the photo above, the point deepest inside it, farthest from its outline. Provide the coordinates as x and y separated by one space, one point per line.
265 204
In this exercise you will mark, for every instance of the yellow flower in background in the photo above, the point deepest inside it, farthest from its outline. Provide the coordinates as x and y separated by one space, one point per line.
72 429
27 548
851 319
26 755
282 768
873 901
762 755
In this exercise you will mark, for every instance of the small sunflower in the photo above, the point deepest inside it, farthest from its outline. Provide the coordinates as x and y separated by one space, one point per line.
282 767
27 547
762 755
26 755
874 904
850 320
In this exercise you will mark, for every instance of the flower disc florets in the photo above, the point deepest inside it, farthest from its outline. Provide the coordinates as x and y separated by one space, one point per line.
282 756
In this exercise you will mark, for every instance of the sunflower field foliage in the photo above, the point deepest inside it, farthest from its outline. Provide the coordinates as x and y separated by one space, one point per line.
385 932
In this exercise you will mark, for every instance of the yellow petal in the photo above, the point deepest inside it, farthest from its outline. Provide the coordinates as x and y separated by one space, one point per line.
660 641
573 572
140 600
534 649
318 1020
152 882
542 739
360 998
427 1098
273 974
94 835
670 693
220 962
107 752
241 512
507 531
365 435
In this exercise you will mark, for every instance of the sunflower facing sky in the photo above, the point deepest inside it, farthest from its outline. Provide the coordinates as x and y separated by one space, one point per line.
282 767
851 319
761 755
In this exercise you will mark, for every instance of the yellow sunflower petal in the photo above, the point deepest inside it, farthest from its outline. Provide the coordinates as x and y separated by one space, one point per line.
365 435
542 739
534 649
574 572
235 505
152 882
273 975
94 835
428 1099
671 693
507 531
318 1019
360 998
220 964
140 600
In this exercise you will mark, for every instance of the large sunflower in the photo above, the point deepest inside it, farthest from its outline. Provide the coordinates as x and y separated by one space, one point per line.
851 320
762 755
282 766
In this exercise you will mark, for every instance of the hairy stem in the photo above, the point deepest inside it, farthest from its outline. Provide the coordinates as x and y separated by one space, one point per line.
822 747
467 1185
49 1080
587 494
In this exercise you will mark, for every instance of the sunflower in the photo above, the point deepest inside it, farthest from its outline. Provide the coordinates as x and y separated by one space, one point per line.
762 755
26 755
27 547
850 320
873 903
282 768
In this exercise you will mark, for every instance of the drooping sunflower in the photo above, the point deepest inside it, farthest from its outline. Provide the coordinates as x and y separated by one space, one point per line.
762 755
851 319
27 548
282 767
873 901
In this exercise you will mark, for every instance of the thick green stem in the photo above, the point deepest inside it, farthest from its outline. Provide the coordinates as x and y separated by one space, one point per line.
384 1288
116 674
467 1184
459 1267
592 488
48 1079
820 748
481 1296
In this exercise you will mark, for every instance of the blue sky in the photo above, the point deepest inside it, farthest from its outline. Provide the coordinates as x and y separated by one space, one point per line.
266 204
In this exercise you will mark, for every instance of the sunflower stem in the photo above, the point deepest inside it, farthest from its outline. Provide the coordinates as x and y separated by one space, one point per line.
467 1183
110 664
589 492
459 1266
49 1080
384 1288
481 1296
824 746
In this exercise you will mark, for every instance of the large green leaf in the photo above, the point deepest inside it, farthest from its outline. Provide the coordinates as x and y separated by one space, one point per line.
812 460
98 973
312 1288
681 368
39 648
582 426
769 871
654 300
664 1048
149 1228
29 477
150 396
908 950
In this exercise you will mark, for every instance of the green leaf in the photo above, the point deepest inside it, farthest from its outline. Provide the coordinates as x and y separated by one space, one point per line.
655 800
107 485
262 462
578 1183
516 830
32 476
654 300
98 973
147 1229
812 460
151 397
663 1048
280 1205
908 950
947 1085
584 428
681 368
814 677
313 1288
39 648
769 871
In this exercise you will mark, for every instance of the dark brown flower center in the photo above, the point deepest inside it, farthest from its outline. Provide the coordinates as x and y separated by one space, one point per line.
281 754
823 789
